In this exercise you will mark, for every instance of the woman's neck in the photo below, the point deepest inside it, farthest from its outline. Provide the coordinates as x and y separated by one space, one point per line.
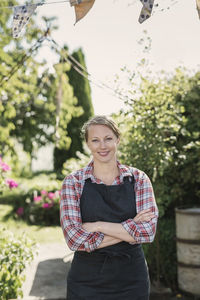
106 172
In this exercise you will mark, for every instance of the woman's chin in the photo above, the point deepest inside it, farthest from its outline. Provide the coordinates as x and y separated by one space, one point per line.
105 158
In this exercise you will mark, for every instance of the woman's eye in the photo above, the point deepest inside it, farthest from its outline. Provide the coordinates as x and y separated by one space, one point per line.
108 139
94 141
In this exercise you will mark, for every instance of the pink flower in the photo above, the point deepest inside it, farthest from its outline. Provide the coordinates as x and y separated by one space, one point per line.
37 198
43 192
11 183
20 211
4 167
51 195
46 205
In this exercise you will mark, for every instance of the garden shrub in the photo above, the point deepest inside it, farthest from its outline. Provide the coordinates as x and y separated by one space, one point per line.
160 135
41 207
74 164
161 254
44 208
15 254
36 200
35 207
5 182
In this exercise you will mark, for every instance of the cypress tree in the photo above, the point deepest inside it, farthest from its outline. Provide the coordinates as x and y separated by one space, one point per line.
82 92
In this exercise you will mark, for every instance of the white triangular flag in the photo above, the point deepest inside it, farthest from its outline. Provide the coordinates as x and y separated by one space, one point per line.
21 17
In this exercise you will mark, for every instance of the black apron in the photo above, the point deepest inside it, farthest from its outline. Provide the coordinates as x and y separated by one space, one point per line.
116 272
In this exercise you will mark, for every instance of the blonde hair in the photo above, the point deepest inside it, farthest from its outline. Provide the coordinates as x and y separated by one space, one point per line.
100 120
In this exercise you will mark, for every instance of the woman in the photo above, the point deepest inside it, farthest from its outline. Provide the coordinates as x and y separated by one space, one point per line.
107 211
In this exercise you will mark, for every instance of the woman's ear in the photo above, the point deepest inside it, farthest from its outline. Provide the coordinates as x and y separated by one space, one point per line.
118 140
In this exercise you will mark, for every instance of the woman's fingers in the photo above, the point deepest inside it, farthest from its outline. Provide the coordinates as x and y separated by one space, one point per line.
144 211
87 226
144 216
90 226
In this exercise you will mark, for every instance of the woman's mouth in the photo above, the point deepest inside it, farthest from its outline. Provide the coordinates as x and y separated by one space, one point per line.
103 153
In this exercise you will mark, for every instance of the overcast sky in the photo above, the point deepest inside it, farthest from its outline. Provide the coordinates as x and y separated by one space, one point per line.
109 37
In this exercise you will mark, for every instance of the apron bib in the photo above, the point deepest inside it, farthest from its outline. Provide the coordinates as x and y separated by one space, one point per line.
115 272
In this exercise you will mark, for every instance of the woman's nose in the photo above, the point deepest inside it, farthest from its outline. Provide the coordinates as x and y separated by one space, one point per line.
102 144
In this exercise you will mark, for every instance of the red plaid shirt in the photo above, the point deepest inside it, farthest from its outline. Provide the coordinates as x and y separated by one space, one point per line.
79 239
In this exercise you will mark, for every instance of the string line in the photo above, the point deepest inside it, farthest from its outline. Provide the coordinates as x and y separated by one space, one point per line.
84 73
20 62
66 57
37 3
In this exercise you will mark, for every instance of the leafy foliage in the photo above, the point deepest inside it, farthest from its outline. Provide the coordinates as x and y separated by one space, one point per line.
60 104
44 208
36 201
161 136
36 105
82 92
76 163
35 207
17 69
4 181
15 253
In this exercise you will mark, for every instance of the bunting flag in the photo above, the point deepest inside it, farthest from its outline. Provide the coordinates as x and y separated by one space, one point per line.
81 7
146 10
21 18
198 7
23 13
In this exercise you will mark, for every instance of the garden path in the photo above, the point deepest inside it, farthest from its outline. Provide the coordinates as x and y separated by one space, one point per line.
46 275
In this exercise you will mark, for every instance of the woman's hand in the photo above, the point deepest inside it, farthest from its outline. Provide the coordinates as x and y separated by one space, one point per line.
144 216
90 226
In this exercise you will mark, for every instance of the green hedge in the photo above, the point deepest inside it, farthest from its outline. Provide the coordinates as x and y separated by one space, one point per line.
15 253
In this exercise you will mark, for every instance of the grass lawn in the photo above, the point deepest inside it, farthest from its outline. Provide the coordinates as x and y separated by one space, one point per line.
39 234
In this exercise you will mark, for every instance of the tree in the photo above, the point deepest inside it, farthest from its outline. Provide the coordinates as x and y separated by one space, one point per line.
35 105
63 107
18 77
82 92
161 136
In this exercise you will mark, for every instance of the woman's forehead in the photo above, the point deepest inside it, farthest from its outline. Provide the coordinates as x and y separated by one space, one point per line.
99 130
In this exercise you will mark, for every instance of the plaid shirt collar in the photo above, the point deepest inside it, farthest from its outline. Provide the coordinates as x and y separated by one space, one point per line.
124 171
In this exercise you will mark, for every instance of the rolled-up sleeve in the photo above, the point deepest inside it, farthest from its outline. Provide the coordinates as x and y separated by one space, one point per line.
70 218
143 232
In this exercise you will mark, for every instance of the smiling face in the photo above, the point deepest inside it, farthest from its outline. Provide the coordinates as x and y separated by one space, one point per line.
102 143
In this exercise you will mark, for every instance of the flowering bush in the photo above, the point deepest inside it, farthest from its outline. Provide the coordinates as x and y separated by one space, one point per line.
44 208
41 208
5 182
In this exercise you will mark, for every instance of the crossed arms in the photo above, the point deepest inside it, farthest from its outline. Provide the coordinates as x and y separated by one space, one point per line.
90 236
115 232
